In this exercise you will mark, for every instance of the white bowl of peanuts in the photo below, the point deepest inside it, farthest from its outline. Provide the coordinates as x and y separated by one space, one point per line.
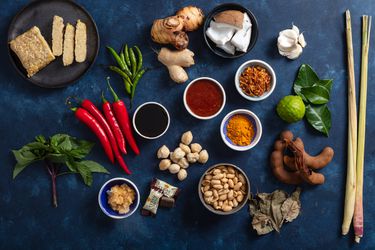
255 80
224 189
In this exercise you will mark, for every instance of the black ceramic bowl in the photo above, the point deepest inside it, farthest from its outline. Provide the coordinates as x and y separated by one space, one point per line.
230 6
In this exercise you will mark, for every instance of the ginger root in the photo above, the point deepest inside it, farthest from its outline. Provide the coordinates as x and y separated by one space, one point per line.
171 30
176 61
299 167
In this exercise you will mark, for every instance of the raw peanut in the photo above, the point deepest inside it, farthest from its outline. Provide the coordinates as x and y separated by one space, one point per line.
216 171
237 186
223 197
208 200
208 193
231 170
230 203
227 208
230 176
243 192
230 195
241 178
243 188
221 167
239 197
224 175
215 193
215 204
225 170
235 194
225 180
235 180
206 188
216 182
230 183
202 189
223 191
220 203
226 186
218 176
217 186
206 183
235 203
215 199
208 177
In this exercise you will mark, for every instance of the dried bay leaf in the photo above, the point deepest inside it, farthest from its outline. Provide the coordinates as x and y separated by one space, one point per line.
277 200
292 206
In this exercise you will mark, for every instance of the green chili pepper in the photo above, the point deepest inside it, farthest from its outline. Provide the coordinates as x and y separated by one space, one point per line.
133 62
126 52
122 56
128 86
117 58
120 72
140 58
135 82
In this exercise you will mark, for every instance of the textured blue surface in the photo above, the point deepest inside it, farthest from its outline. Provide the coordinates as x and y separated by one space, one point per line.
27 219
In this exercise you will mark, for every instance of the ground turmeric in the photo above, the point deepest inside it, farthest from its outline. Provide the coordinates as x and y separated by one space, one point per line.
240 130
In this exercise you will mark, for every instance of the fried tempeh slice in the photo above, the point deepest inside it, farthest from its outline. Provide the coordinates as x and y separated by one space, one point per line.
80 42
57 35
32 50
68 53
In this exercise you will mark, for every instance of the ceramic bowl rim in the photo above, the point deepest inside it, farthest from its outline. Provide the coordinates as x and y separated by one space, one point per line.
127 181
209 207
135 127
187 106
251 63
258 134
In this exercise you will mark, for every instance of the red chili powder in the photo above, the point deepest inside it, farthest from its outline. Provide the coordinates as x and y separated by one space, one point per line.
204 98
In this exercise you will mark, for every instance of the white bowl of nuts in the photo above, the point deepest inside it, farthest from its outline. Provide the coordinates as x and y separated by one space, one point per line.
224 189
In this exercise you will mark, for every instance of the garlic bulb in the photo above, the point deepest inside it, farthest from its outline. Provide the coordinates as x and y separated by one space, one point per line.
291 43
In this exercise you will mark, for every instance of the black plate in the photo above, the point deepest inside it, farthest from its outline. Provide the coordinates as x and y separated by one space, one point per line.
40 13
230 6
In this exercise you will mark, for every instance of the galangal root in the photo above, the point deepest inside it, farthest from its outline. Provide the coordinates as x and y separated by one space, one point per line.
301 166
176 61
172 30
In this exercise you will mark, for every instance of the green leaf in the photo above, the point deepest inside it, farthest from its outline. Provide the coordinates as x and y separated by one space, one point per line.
41 139
18 168
319 117
61 142
306 78
57 158
316 94
327 83
94 167
84 172
80 148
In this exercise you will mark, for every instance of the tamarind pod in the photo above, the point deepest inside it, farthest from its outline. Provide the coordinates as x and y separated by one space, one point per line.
286 135
279 145
313 162
312 178
280 173
126 54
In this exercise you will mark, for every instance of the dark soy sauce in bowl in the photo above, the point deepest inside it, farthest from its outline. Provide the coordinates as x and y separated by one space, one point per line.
151 120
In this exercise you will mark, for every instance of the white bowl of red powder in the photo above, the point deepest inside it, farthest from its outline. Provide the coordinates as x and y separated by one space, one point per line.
204 98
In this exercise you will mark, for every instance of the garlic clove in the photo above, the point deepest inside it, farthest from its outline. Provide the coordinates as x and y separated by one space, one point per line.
295 53
301 40
289 51
285 44
296 29
289 33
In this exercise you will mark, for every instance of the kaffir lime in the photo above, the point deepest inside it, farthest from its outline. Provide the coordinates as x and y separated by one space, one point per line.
291 108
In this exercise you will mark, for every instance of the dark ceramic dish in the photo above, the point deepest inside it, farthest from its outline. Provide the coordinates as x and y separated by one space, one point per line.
40 13
230 6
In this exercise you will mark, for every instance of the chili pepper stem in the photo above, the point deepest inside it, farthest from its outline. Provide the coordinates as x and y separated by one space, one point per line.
115 97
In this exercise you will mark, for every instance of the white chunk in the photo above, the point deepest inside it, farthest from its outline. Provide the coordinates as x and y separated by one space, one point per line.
228 48
220 35
296 29
241 40
246 22
289 33
285 44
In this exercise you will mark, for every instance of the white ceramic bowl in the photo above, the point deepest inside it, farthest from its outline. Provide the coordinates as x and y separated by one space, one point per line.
253 118
255 63
135 127
103 198
204 117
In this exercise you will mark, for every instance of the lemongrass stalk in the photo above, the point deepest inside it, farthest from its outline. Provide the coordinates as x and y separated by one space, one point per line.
358 209
352 133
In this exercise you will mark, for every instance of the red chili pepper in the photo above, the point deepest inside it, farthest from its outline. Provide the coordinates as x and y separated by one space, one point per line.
122 117
85 117
95 112
110 117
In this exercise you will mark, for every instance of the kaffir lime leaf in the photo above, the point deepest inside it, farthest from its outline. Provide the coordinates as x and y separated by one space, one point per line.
291 108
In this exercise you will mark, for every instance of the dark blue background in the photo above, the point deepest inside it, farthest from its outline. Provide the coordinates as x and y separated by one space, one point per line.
27 219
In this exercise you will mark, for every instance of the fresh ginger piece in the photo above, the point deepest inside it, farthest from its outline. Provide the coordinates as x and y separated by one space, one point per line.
176 61
193 17
170 31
